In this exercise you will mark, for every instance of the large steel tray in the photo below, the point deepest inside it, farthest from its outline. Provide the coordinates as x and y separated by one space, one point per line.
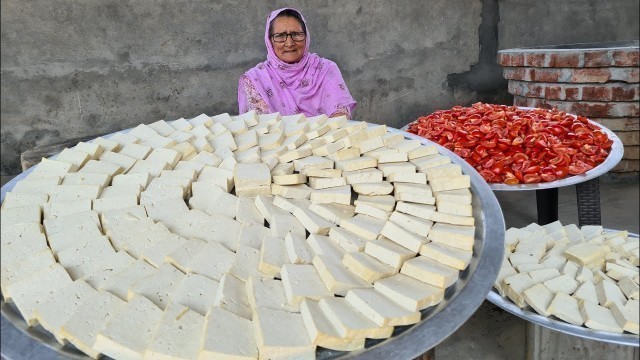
553 323
438 322
614 157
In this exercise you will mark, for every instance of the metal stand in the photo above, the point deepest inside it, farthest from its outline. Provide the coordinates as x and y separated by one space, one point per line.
547 205
588 195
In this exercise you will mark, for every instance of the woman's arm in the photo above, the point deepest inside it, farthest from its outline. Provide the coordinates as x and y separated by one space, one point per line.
249 98
341 111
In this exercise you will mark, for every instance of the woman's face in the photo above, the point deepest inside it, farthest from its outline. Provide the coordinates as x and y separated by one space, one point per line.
289 51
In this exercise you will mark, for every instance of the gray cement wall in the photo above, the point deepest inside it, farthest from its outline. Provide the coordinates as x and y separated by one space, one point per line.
80 67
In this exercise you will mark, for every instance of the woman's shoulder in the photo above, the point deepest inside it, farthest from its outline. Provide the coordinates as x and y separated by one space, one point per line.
256 69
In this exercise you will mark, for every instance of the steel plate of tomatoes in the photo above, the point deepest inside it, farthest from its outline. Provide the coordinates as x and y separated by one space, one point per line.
510 145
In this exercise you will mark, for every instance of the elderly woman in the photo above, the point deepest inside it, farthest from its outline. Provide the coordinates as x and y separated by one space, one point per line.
292 80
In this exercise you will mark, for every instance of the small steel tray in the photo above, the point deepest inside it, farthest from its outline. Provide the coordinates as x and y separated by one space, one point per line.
553 323
407 342
614 157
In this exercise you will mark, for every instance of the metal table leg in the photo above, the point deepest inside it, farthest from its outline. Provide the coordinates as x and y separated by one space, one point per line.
588 196
547 205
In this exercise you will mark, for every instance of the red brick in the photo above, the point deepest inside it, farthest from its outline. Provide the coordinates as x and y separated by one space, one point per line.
596 59
534 59
572 93
584 108
553 92
626 165
596 92
511 59
570 75
626 57
564 59
619 124
624 93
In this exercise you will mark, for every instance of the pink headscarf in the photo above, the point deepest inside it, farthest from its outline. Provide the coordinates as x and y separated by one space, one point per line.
312 86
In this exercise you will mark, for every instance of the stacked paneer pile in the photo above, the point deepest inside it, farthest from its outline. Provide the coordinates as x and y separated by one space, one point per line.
584 276
239 236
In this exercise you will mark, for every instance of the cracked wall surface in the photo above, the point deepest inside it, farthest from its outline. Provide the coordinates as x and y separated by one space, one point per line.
74 68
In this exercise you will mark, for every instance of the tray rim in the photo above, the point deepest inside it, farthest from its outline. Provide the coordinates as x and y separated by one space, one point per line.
410 343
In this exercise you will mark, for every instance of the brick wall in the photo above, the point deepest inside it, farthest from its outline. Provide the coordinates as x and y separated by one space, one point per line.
599 81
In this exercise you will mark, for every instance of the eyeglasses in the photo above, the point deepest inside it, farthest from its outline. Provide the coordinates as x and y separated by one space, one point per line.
295 36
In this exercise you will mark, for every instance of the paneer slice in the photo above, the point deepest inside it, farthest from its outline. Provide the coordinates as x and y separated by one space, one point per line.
407 177
440 217
227 335
458 236
566 308
587 292
54 312
159 286
505 272
367 267
418 210
42 186
412 223
28 293
281 224
450 183
127 334
293 343
347 240
430 271
584 253
447 255
302 281
515 286
82 258
599 317
197 292
15 271
370 175
380 309
212 260
627 316
322 332
408 292
383 202
311 221
335 276
349 322
339 195
108 267
76 157
178 334
542 275
403 237
365 226
379 188
297 249
324 245
369 210
460 196
562 283
46 168
333 213
609 293
269 293
101 167
388 252
246 263
629 288
21 215
120 283
88 319
539 297
273 256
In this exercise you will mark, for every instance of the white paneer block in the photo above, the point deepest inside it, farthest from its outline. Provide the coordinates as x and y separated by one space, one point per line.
599 318
178 334
294 343
127 334
408 292
302 281
322 332
380 309
335 276
349 322
388 252
430 271
232 296
227 335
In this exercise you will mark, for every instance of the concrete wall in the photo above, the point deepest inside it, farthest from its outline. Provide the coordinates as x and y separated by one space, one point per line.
80 67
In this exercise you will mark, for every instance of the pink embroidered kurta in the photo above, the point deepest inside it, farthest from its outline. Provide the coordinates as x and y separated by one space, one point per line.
312 86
